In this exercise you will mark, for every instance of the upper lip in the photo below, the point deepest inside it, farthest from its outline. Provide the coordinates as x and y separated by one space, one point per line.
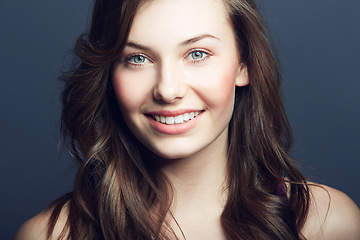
172 113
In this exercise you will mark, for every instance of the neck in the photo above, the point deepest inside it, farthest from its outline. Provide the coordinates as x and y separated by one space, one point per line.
199 183
200 177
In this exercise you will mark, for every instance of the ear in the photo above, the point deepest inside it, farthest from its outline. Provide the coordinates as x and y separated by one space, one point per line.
242 77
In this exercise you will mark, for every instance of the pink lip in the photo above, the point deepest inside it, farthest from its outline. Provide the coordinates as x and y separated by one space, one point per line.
167 113
175 129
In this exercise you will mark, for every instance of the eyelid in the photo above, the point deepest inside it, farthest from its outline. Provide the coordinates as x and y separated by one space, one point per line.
128 57
207 52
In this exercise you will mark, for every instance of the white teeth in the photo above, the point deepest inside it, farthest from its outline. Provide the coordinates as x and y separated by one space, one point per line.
177 119
170 120
192 114
186 117
162 119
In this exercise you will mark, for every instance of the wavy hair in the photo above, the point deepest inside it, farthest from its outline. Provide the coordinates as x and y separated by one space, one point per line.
116 191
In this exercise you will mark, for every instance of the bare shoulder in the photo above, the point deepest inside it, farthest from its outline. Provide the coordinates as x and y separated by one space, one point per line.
36 228
332 215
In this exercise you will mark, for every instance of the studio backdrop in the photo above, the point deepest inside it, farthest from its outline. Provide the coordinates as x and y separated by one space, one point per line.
318 44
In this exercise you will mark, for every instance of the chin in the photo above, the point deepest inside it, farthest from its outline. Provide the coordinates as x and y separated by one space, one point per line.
173 153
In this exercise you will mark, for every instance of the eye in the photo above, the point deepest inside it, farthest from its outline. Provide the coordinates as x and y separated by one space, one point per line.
197 56
137 59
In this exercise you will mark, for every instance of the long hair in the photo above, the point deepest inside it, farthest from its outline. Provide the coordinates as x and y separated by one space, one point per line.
118 195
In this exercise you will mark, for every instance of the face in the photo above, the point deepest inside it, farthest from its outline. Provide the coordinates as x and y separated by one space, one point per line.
175 80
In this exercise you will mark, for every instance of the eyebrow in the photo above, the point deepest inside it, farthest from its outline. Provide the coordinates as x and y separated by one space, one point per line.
184 43
196 39
138 46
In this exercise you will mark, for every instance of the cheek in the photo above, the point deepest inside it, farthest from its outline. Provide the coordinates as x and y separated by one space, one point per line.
226 95
130 93
219 88
226 86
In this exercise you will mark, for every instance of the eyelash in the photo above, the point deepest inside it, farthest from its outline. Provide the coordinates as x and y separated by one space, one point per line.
129 62
202 51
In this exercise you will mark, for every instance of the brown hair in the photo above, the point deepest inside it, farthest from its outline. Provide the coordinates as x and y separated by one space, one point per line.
115 190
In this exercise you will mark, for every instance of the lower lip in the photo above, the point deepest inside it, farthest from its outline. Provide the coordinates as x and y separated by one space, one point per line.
175 129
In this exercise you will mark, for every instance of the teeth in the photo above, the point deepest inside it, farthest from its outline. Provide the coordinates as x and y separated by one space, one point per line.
192 115
170 120
162 119
177 119
186 117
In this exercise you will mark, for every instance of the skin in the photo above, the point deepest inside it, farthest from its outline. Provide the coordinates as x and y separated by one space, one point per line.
169 80
340 222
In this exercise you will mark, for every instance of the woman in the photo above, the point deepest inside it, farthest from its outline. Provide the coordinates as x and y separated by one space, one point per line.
175 117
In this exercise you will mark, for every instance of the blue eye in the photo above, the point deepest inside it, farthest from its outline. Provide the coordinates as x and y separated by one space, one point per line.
197 55
137 59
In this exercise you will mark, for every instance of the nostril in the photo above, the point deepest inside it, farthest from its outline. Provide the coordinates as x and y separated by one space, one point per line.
166 95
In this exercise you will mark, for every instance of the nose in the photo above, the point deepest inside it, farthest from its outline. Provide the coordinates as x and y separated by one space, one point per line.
170 86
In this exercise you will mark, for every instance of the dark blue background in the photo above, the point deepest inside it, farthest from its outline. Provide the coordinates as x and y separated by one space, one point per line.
318 42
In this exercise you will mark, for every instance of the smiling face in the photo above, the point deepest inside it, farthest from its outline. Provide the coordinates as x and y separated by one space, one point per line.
175 80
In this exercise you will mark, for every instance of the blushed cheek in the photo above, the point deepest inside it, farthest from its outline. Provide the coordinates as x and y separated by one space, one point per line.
124 91
132 89
228 85
220 90
227 93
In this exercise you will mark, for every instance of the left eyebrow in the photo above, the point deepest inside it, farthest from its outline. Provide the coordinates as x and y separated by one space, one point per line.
196 39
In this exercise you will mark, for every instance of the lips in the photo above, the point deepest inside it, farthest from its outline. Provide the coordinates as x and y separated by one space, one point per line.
178 119
174 122
173 117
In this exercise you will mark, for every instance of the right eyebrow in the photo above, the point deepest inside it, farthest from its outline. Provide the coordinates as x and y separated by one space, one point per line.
137 45
184 43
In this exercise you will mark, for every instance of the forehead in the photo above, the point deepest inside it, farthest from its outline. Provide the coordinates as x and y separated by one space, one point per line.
180 19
